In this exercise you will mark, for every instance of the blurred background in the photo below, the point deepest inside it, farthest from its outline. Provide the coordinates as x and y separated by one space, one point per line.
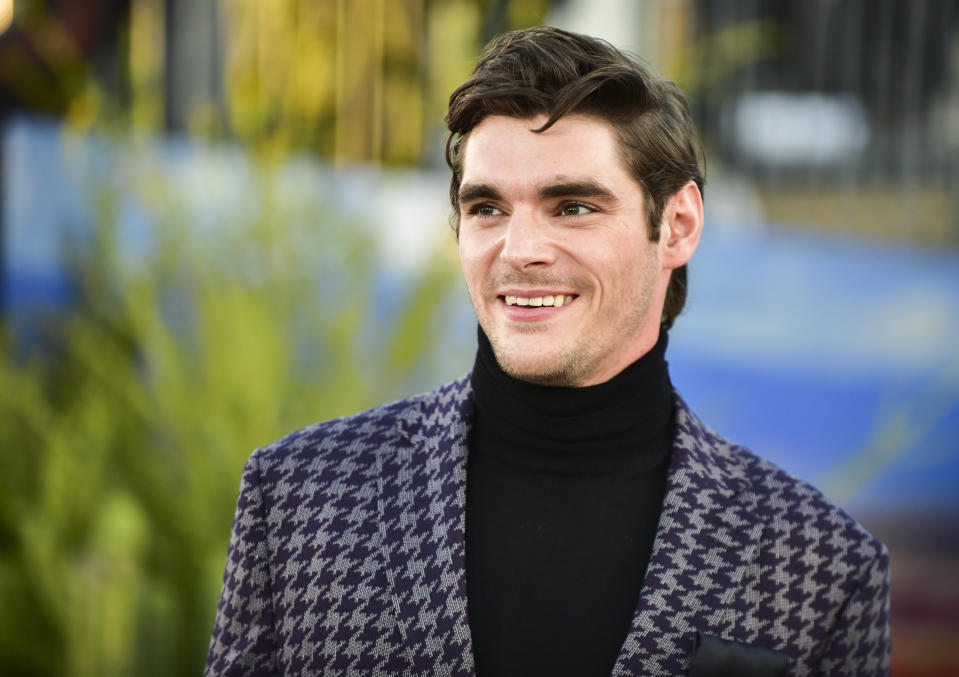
221 220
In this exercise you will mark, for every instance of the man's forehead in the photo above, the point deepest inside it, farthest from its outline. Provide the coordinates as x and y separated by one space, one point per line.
577 150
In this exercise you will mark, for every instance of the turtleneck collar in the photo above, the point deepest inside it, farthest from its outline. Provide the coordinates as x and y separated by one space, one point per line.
621 425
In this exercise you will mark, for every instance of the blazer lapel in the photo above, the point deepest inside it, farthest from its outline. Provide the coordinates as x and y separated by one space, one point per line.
707 536
422 520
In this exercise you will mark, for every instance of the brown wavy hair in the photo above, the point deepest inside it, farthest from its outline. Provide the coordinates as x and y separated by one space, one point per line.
552 72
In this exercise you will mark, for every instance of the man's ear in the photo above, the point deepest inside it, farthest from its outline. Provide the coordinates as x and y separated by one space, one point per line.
682 226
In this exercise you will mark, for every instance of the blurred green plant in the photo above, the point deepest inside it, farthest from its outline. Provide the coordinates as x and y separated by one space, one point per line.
123 436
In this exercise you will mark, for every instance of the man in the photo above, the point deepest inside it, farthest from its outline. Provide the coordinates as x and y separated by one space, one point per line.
560 510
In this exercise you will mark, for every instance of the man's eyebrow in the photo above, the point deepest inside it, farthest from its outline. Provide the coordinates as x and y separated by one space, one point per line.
584 189
478 191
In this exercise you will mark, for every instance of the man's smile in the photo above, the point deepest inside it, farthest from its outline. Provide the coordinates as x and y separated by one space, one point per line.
555 300
533 307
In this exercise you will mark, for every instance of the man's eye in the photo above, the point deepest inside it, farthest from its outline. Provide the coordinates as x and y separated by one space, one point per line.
575 209
484 210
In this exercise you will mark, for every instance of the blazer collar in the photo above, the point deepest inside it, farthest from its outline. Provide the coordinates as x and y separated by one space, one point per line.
707 535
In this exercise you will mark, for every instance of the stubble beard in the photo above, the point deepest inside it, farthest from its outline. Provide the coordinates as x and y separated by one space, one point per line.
568 369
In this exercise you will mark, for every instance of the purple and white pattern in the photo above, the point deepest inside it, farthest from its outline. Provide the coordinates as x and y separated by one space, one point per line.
347 556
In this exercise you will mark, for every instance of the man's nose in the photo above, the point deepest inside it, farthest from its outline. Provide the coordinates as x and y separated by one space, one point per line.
527 243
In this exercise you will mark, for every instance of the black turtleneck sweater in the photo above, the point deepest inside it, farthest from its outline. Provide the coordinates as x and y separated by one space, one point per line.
563 494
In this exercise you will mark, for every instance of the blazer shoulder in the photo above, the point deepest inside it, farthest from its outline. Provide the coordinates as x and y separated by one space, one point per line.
800 516
355 436
795 510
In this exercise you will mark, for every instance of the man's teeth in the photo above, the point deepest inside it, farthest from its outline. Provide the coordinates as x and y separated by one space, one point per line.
536 301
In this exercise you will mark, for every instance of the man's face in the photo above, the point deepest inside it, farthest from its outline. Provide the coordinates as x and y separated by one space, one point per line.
555 249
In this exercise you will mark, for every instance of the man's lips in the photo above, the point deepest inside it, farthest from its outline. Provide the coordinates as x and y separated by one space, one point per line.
533 305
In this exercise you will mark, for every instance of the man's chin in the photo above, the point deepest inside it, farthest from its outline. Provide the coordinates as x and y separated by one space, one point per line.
543 370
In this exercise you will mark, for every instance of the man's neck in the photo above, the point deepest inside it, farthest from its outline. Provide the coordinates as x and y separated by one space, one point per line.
593 428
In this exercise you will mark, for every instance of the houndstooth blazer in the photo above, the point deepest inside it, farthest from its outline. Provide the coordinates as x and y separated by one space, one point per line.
347 556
